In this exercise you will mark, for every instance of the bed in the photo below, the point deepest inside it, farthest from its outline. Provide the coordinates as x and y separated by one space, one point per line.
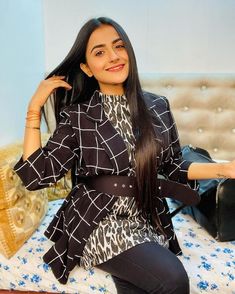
210 264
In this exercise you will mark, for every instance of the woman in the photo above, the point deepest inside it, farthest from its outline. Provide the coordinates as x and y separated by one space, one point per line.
117 140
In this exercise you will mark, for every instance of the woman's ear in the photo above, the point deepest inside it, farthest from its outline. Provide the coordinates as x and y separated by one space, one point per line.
85 68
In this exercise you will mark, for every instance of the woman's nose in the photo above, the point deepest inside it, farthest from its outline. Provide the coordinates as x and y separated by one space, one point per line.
113 56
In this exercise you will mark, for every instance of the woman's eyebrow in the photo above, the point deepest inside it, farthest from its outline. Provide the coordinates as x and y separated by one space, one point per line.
103 45
116 40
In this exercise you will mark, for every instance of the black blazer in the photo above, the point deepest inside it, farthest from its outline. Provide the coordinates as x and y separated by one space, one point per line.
86 137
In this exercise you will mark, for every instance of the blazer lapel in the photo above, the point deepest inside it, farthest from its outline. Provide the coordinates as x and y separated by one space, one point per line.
107 135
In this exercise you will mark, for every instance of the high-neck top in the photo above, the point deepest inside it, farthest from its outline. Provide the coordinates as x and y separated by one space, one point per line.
119 98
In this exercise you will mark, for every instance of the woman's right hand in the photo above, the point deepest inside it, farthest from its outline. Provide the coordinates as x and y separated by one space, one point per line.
45 89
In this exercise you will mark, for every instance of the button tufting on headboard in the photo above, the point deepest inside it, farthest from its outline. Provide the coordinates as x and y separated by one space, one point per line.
203 107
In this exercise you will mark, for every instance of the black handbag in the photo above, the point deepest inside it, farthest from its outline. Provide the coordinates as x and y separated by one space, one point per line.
216 210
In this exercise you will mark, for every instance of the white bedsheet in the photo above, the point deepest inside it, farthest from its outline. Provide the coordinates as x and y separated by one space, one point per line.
210 264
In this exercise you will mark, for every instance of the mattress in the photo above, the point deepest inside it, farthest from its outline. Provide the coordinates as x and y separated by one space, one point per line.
210 264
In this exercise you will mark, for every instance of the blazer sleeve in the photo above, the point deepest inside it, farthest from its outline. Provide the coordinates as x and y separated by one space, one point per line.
49 163
174 167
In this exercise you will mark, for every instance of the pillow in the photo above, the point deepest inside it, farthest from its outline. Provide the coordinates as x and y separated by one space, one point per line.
21 211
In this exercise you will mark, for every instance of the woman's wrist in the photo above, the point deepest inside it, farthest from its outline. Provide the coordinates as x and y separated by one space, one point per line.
34 107
222 170
229 170
33 117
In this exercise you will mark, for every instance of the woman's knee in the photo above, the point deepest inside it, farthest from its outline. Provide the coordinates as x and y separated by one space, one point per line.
124 287
182 282
177 282
169 278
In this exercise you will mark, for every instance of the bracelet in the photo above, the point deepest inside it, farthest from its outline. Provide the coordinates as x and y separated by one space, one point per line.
35 128
33 115
31 118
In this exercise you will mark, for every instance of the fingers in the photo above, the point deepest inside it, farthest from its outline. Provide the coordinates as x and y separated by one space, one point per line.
58 82
47 87
56 77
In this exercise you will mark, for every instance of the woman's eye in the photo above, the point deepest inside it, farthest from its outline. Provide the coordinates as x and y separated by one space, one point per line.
98 53
120 46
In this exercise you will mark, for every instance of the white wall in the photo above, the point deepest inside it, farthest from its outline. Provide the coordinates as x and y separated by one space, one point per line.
21 62
167 35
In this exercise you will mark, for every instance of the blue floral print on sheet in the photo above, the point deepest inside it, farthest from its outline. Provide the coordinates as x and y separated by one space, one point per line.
210 264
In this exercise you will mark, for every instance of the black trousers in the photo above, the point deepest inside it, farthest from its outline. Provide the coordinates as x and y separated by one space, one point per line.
147 268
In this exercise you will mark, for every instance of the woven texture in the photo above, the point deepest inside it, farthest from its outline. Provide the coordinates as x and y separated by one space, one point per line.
21 211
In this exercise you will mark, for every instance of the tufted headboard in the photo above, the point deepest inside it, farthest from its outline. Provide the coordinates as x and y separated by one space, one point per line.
203 107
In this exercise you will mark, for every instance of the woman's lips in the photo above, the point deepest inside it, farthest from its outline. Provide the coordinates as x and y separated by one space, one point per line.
116 67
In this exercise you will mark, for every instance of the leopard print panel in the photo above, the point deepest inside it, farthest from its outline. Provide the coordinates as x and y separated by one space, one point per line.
117 111
125 226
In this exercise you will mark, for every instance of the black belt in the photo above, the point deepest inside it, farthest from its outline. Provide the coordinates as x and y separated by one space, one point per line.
126 186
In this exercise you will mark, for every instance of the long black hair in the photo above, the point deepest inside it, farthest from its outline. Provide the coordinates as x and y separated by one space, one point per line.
82 89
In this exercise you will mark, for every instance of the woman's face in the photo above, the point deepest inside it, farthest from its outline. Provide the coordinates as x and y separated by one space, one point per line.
107 60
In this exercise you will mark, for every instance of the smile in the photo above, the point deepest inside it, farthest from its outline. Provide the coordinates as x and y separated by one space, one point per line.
116 68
